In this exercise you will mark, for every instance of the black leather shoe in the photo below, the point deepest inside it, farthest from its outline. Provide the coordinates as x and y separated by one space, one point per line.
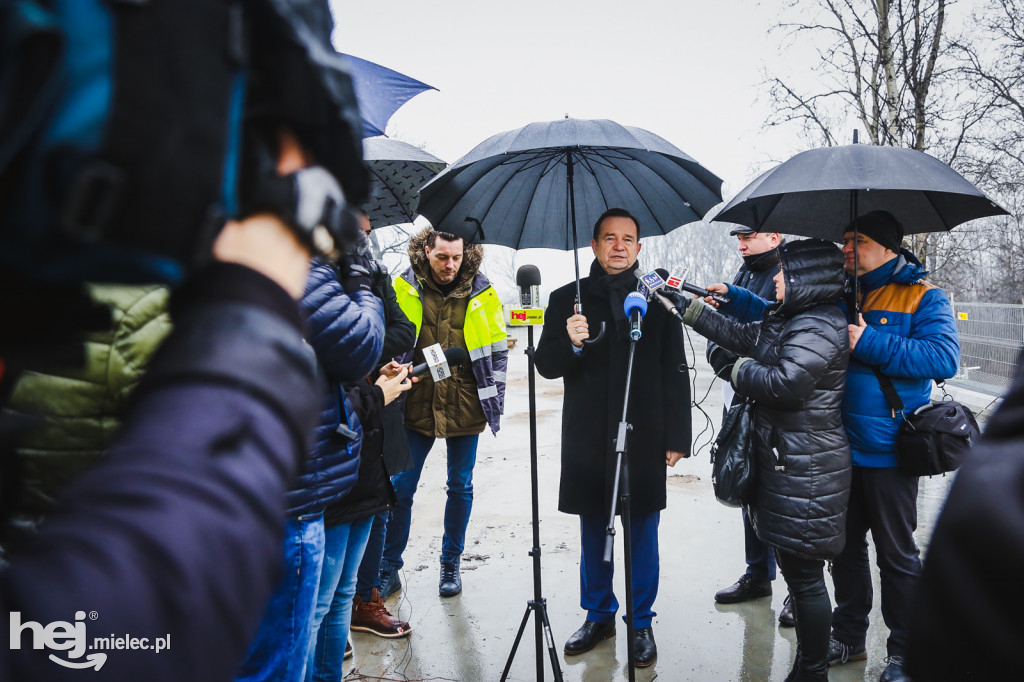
894 672
451 580
746 588
839 653
786 619
645 651
590 634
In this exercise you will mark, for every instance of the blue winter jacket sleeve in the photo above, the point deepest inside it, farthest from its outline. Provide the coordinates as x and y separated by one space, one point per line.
346 331
745 306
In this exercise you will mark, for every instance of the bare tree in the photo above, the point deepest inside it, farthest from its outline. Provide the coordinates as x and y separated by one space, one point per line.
992 64
891 66
879 59
704 249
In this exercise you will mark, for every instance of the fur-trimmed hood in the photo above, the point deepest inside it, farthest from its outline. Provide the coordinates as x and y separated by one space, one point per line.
472 257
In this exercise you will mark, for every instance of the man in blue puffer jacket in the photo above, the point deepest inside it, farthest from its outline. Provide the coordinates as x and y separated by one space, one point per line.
905 330
345 326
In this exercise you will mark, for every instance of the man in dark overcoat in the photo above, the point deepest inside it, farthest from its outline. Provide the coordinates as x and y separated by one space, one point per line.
594 376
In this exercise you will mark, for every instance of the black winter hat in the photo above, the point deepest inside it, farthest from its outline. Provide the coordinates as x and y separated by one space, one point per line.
882 227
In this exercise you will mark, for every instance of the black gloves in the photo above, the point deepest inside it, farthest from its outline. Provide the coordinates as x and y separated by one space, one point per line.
355 273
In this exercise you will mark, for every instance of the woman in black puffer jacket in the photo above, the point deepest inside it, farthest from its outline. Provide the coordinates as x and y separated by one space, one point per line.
793 365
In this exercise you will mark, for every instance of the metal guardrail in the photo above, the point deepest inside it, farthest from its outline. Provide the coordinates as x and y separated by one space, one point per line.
991 340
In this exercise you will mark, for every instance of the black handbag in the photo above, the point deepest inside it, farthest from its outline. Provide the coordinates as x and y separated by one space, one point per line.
732 456
934 438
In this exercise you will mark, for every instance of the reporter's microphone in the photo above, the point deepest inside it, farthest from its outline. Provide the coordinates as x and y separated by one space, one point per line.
655 282
704 293
528 281
635 308
454 356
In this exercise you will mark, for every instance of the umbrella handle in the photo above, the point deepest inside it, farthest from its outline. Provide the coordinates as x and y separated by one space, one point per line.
596 339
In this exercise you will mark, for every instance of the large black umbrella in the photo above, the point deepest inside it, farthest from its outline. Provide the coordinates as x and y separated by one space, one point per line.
818 192
528 188
397 171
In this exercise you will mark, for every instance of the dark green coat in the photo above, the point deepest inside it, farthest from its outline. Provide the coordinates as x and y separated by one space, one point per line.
82 406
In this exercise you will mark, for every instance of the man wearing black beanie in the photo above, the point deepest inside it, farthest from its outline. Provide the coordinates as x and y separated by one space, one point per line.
905 330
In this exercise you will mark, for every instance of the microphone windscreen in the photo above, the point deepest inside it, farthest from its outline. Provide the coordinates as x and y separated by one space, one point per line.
455 356
635 301
527 276
662 272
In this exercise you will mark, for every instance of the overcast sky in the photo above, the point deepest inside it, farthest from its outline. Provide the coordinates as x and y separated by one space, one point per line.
687 71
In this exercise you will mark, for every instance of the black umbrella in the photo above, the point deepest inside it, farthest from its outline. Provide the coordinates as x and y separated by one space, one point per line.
818 192
528 188
397 171
381 92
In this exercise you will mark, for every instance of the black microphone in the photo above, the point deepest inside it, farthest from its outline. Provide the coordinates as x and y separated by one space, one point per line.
635 307
455 356
704 293
528 281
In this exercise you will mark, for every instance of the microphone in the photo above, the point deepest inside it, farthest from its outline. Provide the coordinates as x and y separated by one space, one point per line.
635 308
704 293
528 281
454 356
659 279
654 283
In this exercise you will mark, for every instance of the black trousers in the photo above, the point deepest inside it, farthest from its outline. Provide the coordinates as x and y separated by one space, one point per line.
883 501
812 611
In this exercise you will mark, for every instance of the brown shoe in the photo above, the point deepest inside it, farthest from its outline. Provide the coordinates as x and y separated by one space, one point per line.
373 617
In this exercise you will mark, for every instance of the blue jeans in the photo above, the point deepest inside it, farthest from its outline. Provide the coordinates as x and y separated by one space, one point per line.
461 460
369 568
596 593
760 557
281 646
345 543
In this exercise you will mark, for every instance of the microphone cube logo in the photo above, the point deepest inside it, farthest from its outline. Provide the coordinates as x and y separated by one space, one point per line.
649 283
523 317
674 282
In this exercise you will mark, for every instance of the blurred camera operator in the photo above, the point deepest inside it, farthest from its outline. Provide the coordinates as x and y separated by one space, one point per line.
174 538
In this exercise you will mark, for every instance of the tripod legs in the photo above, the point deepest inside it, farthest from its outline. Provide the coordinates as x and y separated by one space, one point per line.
538 604
543 634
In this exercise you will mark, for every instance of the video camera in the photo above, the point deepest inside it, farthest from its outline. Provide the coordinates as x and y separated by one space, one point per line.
130 132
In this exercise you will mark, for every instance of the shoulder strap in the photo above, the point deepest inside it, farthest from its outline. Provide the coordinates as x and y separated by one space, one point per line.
889 390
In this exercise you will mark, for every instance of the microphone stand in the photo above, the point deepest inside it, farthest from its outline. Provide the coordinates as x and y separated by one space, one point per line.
538 605
620 492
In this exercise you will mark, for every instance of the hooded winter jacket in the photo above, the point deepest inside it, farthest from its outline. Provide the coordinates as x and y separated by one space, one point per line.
911 337
793 365
347 333
755 275
471 316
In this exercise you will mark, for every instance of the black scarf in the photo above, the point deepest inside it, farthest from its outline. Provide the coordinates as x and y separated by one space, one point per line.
613 288
759 262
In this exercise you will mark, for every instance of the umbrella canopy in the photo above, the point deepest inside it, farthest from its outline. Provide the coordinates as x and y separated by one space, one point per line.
818 192
522 185
381 92
397 171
